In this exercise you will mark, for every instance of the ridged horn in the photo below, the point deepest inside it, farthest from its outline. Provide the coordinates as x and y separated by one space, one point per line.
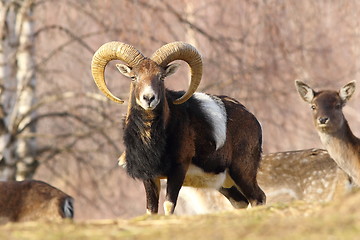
112 51
186 52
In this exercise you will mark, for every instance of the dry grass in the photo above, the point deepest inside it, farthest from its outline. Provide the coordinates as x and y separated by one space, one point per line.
336 220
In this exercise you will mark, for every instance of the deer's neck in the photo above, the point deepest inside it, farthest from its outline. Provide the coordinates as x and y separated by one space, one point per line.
344 148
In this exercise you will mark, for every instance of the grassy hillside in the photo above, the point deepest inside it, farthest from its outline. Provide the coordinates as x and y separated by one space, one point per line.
336 220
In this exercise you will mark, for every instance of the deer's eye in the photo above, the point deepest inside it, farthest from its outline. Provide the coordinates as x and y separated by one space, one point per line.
313 107
338 106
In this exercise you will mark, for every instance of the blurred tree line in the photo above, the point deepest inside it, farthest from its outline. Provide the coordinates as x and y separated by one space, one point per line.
56 126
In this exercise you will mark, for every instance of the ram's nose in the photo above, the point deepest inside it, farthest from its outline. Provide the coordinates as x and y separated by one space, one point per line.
149 98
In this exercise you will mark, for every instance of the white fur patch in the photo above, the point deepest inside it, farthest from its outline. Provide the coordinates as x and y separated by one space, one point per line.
216 112
168 206
282 191
201 201
68 208
196 177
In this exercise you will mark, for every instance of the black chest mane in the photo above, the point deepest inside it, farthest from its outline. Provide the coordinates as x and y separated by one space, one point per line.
145 141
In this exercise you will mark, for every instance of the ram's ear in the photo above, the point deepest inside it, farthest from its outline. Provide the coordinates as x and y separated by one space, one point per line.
124 69
305 91
171 69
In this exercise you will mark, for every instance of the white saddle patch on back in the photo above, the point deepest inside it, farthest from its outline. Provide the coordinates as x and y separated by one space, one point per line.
216 112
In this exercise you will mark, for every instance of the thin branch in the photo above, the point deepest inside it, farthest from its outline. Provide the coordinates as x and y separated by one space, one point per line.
90 124
72 35
56 98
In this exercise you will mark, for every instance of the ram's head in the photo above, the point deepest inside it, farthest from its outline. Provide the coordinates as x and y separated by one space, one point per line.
147 74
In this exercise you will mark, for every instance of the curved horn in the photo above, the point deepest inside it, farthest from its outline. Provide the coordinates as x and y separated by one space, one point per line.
186 52
112 51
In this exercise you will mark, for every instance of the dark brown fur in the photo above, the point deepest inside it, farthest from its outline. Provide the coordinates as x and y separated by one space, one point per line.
164 141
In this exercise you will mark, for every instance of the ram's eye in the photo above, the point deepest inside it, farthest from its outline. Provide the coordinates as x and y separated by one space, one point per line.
313 107
133 78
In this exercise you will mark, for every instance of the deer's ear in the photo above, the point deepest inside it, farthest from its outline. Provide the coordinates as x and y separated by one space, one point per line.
306 92
347 91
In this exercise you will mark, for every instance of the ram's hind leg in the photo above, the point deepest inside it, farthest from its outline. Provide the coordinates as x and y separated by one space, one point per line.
236 198
243 171
152 190
246 181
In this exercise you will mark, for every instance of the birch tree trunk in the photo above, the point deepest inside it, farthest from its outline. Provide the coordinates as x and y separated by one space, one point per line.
190 16
18 82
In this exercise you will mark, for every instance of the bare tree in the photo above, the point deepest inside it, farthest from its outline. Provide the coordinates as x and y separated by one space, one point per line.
47 118
18 89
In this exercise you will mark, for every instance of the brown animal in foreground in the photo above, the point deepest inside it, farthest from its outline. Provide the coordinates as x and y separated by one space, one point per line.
304 175
188 138
332 127
32 200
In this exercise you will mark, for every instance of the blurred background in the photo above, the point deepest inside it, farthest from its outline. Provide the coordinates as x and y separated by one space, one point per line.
56 126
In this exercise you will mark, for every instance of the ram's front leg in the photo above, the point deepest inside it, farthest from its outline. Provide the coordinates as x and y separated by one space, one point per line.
174 182
152 190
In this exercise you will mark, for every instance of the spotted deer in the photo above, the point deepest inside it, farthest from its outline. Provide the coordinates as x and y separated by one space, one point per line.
32 200
332 126
307 175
